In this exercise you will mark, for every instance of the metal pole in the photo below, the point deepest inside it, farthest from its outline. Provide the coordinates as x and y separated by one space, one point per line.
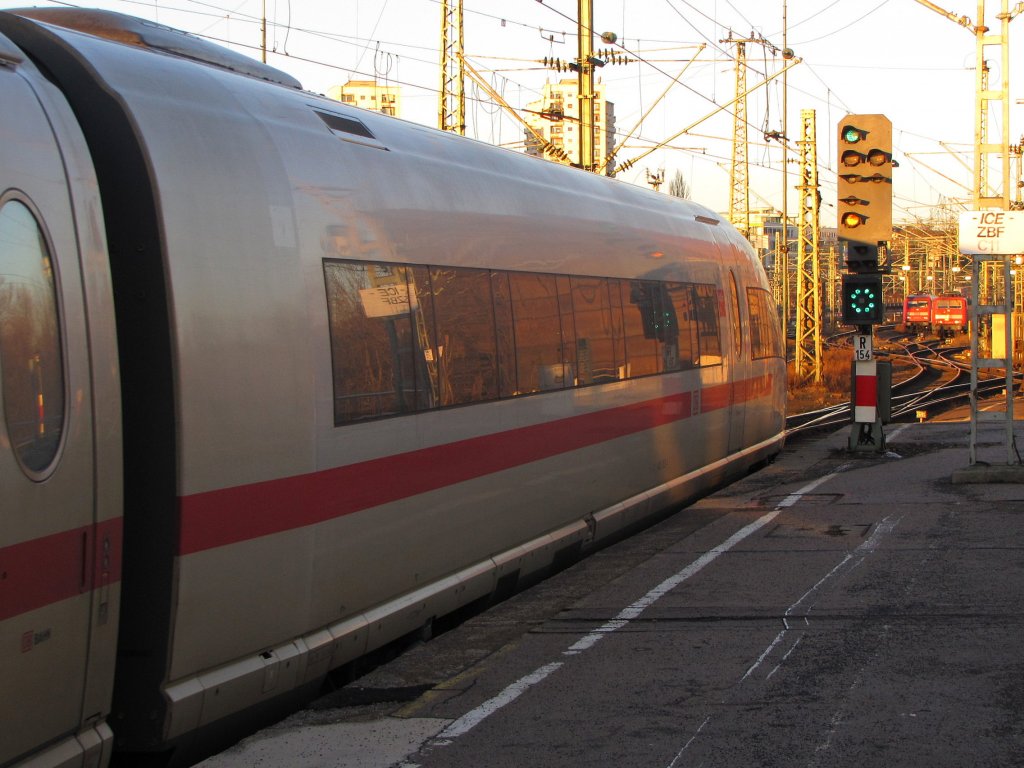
785 187
585 91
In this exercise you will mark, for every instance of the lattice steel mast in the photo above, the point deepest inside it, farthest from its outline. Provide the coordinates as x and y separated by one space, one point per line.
452 106
739 176
988 195
808 358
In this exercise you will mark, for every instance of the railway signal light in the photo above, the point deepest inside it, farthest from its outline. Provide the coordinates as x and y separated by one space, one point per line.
865 188
862 299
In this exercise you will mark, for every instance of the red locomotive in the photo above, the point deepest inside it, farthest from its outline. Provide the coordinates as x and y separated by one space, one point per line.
943 316
917 312
949 315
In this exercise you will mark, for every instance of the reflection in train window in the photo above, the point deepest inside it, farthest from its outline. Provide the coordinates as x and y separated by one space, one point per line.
408 338
641 340
567 327
377 368
684 306
707 325
463 336
505 330
765 336
31 362
734 307
538 338
595 344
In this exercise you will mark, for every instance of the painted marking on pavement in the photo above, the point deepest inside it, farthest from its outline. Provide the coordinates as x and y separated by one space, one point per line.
473 718
848 563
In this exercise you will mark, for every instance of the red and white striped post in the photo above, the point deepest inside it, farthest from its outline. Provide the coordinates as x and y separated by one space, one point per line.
865 388
867 431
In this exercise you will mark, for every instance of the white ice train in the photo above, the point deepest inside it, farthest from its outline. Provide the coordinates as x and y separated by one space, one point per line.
283 380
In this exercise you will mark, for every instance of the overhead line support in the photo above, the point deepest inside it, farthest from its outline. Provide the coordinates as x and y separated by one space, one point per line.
452 107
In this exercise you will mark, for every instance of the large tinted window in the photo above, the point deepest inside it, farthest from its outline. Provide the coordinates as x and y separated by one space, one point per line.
707 325
684 306
734 314
538 333
380 368
408 338
463 334
765 336
640 309
505 332
31 363
595 340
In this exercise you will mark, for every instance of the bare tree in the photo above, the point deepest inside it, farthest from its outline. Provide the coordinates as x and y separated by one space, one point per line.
678 186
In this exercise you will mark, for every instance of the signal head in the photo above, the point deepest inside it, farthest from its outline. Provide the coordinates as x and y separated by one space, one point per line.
864 198
862 299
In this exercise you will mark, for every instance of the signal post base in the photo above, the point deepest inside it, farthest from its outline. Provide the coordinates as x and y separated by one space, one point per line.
866 437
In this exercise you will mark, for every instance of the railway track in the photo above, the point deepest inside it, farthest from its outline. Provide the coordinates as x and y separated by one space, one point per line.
937 378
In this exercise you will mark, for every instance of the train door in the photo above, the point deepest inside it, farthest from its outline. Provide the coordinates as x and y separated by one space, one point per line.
51 549
739 369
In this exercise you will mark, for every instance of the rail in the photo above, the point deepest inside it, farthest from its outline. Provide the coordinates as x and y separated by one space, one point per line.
938 380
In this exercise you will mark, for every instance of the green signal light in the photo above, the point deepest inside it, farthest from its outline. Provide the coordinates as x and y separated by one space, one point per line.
862 300
852 135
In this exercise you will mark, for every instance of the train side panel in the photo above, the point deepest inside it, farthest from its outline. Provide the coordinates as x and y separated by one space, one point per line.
60 531
267 541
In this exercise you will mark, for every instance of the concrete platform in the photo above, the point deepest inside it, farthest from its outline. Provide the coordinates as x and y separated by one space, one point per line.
831 610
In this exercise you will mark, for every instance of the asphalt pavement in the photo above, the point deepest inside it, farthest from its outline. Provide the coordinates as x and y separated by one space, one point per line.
834 609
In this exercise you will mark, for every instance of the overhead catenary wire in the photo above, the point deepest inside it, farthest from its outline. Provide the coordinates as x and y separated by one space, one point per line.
412 53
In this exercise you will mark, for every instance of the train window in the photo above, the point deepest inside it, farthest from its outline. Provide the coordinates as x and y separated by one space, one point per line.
642 338
765 336
734 308
539 358
31 362
684 305
595 342
567 324
504 328
464 338
408 338
707 325
376 321
618 328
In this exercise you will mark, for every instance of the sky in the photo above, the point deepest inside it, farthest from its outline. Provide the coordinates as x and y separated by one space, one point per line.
894 57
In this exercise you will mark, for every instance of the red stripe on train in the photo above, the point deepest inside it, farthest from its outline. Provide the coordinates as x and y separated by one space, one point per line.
52 568
230 515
